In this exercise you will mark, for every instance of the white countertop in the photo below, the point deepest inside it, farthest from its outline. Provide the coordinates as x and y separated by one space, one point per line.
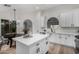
66 33
30 40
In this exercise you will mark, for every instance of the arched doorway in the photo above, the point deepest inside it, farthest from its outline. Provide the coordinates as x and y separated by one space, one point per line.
51 23
27 26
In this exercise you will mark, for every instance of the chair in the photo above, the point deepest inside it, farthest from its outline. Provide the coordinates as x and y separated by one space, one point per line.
3 41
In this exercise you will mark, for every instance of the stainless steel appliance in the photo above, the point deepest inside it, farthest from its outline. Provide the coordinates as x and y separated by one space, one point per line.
77 44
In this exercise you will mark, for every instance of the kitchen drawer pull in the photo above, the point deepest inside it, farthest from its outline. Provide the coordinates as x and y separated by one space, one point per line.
37 50
37 44
46 42
75 40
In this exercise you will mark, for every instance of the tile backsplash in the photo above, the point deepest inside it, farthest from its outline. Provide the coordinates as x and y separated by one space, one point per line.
66 29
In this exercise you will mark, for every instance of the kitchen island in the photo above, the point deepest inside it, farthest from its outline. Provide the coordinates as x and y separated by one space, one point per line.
35 44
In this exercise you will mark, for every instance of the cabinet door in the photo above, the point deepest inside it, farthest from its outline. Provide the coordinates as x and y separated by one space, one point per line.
76 18
66 19
44 46
53 38
62 20
70 40
62 40
35 48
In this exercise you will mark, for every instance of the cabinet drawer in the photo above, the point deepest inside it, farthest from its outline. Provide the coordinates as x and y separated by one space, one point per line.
44 46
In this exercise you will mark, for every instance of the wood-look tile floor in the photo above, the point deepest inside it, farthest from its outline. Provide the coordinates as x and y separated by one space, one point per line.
53 49
7 50
60 49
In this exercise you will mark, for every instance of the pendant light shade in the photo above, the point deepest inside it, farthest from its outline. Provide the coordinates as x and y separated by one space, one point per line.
14 10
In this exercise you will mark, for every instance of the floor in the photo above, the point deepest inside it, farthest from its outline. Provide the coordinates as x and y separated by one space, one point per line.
60 49
7 50
53 49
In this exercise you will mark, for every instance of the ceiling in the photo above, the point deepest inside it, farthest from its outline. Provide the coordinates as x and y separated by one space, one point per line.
27 7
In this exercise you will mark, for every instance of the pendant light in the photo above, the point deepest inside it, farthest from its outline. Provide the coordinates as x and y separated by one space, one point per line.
14 10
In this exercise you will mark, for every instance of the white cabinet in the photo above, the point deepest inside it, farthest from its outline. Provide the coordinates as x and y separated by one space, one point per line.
64 39
44 46
66 19
40 47
62 20
76 18
69 19
61 39
69 40
54 38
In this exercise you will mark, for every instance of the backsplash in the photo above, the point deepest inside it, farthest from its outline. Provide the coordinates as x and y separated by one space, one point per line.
68 30
65 30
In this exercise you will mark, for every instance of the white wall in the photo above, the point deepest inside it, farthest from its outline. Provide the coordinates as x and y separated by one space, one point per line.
39 18
24 16
20 18
56 11
35 17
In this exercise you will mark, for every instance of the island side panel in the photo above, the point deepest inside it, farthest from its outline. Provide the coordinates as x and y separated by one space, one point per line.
21 48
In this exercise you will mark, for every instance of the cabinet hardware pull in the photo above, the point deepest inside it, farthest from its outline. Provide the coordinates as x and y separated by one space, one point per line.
37 44
46 42
37 50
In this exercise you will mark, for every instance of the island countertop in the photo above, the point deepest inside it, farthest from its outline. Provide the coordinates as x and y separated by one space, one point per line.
30 40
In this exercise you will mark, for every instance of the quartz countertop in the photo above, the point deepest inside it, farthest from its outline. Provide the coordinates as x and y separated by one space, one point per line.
65 33
30 40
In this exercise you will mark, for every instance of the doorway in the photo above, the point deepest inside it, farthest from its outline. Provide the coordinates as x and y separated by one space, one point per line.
52 21
27 26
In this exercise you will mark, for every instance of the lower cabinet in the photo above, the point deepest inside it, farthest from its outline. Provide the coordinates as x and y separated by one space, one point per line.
63 39
44 46
40 47
69 40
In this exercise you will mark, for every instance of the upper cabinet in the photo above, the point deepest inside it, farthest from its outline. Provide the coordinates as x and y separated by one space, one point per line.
66 19
76 18
62 20
69 19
